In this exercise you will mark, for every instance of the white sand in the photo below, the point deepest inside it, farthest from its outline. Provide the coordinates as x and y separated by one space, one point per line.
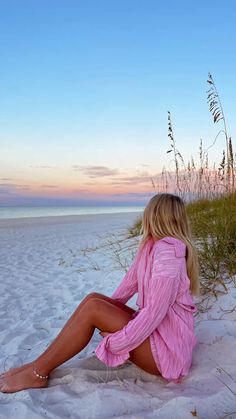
44 274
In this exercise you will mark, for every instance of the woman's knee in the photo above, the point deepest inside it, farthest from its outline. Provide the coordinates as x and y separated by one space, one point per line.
92 307
95 302
93 295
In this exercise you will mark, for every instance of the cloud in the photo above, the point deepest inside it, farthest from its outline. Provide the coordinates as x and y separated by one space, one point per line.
24 187
134 194
5 191
143 178
49 186
96 171
6 185
81 190
6 178
132 180
43 167
76 167
11 188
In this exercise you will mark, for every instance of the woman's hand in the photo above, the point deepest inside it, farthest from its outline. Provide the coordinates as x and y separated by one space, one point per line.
103 333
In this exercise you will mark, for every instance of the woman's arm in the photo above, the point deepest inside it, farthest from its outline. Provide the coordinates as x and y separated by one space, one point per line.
164 282
128 286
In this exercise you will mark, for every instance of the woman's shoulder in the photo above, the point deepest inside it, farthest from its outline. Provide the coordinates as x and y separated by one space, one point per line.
165 242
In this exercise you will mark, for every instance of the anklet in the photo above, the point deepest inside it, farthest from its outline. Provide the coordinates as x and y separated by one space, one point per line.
38 375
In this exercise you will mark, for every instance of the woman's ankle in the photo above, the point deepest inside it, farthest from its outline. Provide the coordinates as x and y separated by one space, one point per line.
39 370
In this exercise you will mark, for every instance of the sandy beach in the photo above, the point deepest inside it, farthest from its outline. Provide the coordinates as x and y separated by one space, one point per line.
47 266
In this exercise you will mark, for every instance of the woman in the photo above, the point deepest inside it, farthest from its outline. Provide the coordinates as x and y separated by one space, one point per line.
159 337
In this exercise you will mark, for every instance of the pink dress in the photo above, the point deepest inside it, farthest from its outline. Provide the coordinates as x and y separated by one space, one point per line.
158 273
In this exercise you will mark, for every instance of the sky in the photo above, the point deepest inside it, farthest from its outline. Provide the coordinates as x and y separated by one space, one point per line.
85 87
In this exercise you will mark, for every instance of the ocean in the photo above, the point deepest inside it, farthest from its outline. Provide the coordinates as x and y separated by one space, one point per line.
29 212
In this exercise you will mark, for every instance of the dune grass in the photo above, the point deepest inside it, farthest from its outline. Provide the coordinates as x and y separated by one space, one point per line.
210 197
213 223
197 180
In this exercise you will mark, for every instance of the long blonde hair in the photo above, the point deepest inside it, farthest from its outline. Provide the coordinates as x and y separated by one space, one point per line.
165 215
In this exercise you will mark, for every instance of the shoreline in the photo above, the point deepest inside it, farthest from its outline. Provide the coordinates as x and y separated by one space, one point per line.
66 219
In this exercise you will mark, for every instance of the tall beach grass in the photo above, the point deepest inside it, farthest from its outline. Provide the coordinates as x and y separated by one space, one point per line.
210 197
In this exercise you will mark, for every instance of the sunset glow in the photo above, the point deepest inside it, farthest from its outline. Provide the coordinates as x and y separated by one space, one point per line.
85 90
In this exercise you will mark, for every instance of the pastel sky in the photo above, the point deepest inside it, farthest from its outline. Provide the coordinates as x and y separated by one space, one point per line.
85 87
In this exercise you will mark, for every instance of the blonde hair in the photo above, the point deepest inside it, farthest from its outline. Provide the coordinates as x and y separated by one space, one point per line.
165 215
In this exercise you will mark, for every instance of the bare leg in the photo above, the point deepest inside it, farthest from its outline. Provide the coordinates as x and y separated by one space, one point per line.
76 334
90 296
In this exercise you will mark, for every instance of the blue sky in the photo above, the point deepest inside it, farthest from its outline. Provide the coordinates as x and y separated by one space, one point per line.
86 86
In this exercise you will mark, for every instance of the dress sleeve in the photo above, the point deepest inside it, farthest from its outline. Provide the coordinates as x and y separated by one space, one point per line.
162 290
128 286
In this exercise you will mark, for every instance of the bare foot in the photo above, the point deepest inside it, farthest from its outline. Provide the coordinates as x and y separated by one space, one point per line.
21 380
12 371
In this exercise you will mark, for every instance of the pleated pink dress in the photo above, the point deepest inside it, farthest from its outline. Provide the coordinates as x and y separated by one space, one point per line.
165 310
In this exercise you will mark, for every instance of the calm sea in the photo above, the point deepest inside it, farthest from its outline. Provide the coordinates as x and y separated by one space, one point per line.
19 212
